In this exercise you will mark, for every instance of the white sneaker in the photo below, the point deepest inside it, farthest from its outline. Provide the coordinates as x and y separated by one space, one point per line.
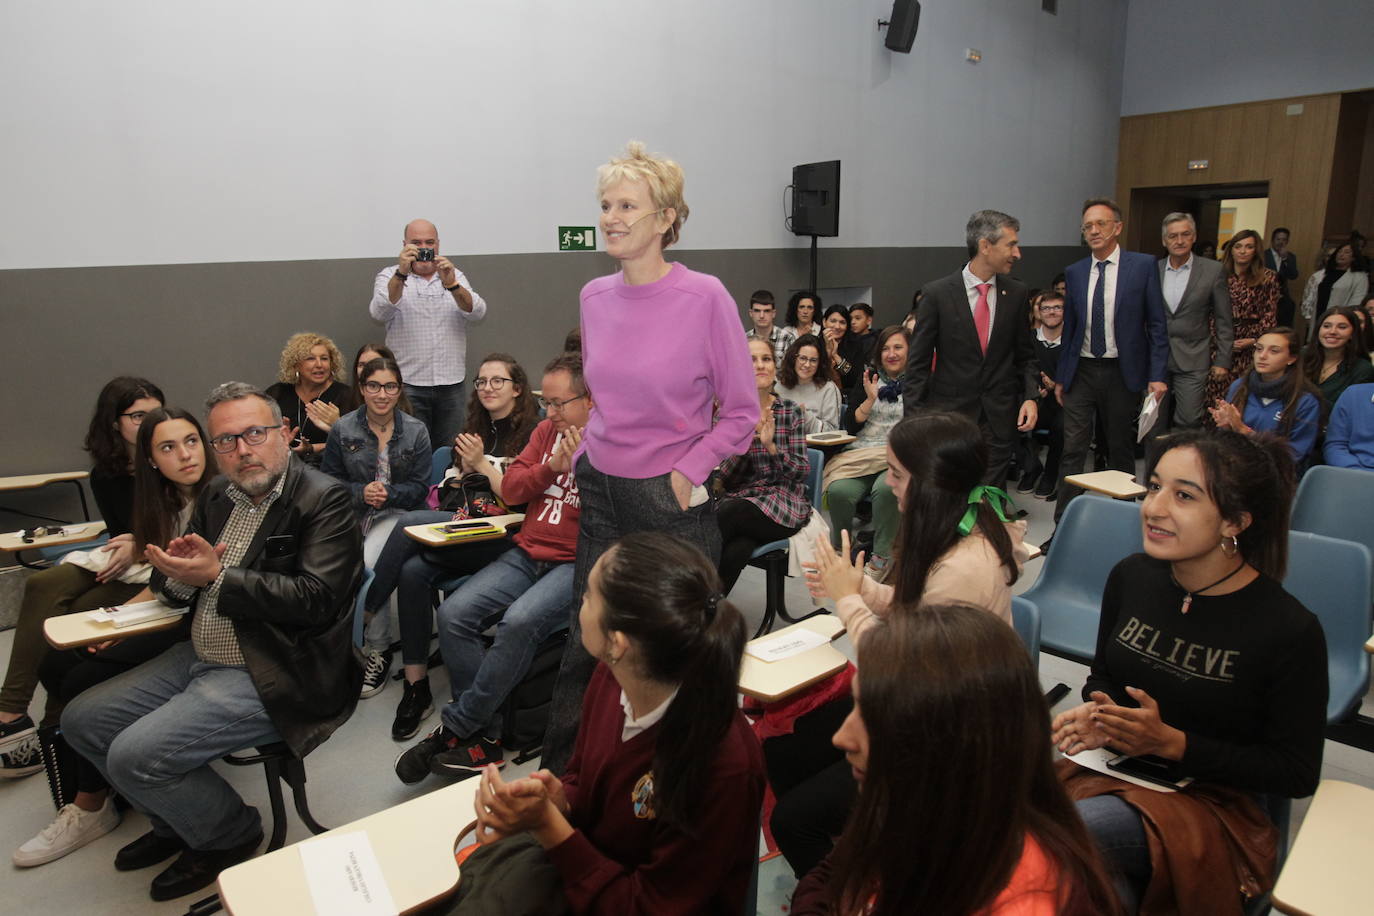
22 759
73 829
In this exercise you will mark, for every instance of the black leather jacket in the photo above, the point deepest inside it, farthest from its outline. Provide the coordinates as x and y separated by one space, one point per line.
293 611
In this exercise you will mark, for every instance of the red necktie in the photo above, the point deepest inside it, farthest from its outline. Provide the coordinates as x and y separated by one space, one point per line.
982 316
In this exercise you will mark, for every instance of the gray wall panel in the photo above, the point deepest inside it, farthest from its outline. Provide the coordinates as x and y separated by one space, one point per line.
188 327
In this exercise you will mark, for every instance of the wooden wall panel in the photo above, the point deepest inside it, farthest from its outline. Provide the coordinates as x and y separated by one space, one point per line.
1250 142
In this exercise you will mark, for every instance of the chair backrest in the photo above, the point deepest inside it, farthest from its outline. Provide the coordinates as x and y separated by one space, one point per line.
816 459
358 603
439 463
1025 619
1094 535
1331 578
1337 503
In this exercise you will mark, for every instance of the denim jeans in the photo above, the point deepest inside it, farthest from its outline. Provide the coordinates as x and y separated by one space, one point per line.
411 569
1119 833
152 733
378 635
536 598
441 408
613 507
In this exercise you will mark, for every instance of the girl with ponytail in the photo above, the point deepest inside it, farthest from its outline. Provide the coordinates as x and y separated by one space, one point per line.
956 543
657 811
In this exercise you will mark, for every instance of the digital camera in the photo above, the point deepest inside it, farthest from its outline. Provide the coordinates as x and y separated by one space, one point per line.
425 254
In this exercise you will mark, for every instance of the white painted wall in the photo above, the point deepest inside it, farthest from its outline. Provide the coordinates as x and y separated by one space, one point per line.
178 131
1196 53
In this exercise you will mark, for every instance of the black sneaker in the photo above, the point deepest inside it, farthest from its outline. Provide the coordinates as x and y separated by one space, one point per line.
415 706
413 765
374 675
467 758
12 733
24 758
1028 481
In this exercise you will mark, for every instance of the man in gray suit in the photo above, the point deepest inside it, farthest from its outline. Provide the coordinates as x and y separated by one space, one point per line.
1195 295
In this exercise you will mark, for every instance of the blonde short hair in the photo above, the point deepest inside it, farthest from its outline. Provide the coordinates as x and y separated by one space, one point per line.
298 347
661 175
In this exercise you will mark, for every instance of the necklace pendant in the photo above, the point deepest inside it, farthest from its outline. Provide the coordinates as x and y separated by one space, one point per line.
1187 603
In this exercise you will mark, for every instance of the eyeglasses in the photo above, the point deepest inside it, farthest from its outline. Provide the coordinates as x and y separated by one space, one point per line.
557 405
1051 308
808 360
379 387
253 435
1102 224
135 416
496 383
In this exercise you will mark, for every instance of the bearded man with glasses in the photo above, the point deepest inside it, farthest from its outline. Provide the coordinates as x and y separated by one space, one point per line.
269 566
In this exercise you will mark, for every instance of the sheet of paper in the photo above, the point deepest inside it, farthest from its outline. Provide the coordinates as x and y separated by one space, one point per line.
1149 413
344 876
785 645
1097 760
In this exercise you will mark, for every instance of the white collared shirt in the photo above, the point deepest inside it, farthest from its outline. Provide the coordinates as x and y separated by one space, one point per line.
971 282
425 327
634 726
1175 281
1040 336
1113 261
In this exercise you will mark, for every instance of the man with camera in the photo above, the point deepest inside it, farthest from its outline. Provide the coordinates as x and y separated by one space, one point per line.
426 304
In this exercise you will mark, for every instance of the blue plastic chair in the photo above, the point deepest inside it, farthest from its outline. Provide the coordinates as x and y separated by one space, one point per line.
1337 503
1094 535
772 557
1025 619
439 463
1331 578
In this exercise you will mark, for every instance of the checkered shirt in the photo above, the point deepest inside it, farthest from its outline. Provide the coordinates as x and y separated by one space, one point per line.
211 633
426 328
780 338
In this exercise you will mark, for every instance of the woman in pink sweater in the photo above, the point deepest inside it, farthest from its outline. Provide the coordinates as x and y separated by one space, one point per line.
670 406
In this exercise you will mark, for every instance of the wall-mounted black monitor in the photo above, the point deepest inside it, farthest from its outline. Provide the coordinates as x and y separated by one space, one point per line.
816 198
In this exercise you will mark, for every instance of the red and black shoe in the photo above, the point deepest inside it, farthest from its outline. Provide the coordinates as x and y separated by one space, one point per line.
467 757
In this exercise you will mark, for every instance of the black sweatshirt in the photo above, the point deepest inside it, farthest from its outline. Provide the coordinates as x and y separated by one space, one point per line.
1243 675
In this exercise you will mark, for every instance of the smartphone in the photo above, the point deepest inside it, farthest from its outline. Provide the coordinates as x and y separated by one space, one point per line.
1149 768
458 527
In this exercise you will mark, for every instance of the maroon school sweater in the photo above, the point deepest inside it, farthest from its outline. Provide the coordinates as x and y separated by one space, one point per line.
622 859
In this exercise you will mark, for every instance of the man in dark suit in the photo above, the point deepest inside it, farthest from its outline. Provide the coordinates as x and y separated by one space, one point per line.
1283 262
975 324
269 566
1197 306
1115 344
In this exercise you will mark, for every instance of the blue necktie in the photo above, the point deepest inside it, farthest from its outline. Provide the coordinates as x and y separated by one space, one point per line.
1098 345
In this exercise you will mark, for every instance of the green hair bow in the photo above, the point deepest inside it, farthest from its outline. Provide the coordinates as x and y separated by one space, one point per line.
995 497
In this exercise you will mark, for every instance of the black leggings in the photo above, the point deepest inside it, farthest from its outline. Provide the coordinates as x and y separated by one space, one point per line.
743 529
813 784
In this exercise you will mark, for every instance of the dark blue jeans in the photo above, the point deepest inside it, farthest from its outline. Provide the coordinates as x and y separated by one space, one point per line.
412 570
441 408
1119 833
532 601
613 507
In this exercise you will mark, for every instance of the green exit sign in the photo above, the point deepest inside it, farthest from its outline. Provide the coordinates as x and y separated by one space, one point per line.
576 238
